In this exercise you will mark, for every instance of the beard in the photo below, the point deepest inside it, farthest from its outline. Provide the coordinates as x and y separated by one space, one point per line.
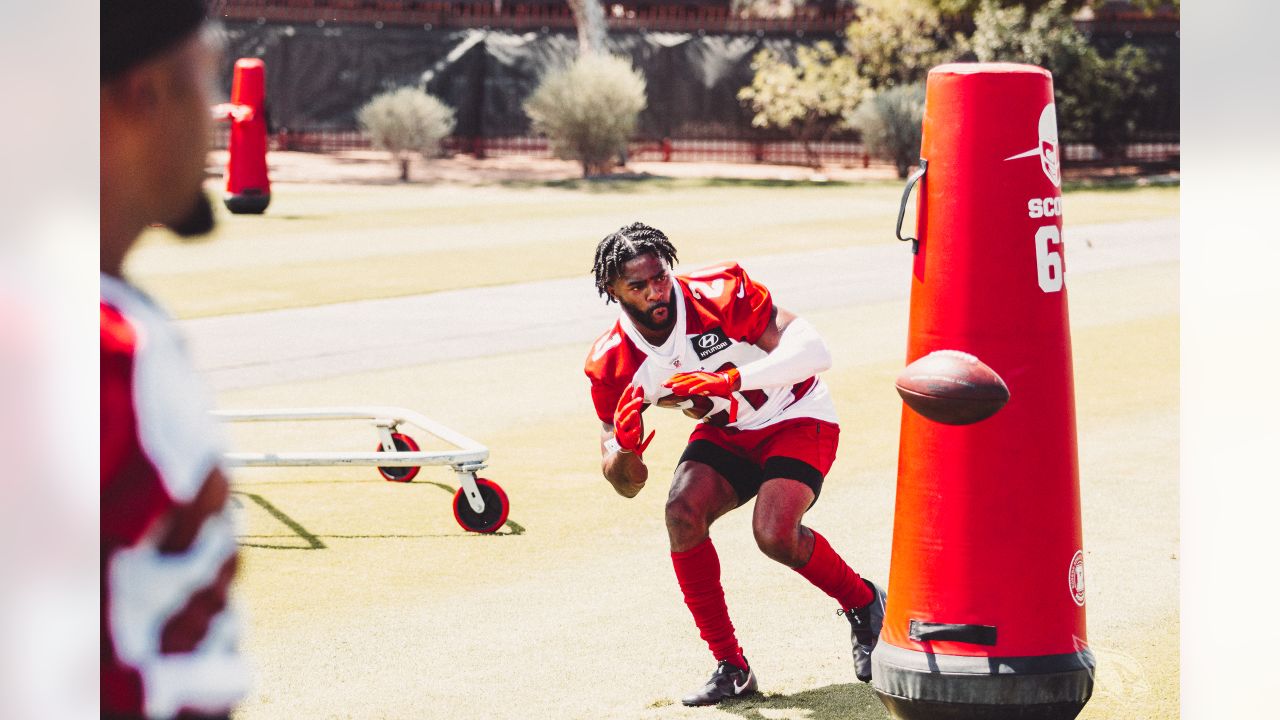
645 317
198 221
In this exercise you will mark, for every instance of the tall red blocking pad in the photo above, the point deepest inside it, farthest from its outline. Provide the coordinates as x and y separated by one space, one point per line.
248 188
985 616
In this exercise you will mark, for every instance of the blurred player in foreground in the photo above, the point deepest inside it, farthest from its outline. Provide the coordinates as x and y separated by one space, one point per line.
713 344
169 634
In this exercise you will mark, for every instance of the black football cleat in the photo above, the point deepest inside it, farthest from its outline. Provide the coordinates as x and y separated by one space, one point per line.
866 622
728 681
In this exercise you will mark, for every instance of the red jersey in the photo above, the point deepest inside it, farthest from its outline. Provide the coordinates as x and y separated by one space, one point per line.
720 315
169 635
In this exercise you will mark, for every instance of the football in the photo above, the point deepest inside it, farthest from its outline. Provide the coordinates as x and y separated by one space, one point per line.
952 387
695 407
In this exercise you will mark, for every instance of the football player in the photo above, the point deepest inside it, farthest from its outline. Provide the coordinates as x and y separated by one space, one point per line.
170 636
713 344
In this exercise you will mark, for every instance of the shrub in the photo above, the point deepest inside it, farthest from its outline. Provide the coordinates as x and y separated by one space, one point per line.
589 110
811 98
1098 99
961 9
895 42
891 124
405 121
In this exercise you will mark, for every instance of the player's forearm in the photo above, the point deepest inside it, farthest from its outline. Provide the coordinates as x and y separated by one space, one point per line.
800 354
626 472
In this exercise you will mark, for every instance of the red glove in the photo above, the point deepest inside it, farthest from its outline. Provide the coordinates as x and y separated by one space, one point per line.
628 426
719 384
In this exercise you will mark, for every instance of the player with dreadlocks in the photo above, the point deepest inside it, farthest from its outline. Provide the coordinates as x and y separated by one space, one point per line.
616 249
713 344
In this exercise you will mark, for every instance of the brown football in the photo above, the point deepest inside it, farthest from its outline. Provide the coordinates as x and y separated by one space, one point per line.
695 407
952 387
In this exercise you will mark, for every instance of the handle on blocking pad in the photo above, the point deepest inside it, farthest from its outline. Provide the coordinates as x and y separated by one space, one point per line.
906 195
922 631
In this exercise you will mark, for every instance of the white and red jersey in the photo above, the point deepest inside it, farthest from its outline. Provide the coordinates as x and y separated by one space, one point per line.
720 314
169 635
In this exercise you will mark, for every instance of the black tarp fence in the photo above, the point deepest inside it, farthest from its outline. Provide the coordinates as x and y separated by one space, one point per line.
319 76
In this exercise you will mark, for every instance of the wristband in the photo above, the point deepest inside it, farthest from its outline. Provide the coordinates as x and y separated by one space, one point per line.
611 445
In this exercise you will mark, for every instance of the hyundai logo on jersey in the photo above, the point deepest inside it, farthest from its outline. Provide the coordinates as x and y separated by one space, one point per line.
710 343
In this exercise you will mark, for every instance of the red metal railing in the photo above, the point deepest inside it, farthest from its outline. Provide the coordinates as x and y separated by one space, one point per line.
689 150
1147 152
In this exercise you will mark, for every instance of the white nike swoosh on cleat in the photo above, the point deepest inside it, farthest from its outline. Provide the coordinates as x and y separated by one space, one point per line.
737 689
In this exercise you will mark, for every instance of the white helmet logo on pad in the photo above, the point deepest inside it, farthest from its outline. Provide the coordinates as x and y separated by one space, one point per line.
1048 147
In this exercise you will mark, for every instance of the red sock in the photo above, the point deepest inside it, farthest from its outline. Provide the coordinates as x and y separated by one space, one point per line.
698 572
833 576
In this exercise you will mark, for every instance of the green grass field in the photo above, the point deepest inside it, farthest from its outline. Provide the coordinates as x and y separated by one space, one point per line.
366 600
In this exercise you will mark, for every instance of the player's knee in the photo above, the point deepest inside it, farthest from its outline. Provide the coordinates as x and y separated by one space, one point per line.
779 542
684 520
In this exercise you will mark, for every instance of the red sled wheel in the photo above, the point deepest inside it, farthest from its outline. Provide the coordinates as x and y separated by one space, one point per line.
404 443
495 511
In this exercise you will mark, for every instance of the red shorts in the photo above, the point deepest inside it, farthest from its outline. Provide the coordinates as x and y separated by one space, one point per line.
800 449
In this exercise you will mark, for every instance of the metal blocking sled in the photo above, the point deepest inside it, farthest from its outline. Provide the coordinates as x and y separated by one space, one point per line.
479 505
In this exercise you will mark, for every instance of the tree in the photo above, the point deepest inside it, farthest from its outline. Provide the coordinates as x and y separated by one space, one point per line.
589 110
588 15
1116 88
895 42
969 8
405 121
1150 6
811 98
1097 98
891 123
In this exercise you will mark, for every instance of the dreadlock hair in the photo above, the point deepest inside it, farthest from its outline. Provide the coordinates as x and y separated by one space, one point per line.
619 248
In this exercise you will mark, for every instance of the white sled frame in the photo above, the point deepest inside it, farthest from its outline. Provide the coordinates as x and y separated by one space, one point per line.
469 457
